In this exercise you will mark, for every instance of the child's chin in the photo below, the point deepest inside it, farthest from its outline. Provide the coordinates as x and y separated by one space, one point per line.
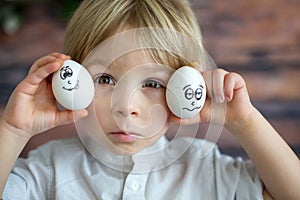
124 149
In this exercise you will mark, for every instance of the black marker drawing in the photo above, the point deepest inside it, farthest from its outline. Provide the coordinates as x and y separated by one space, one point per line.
190 93
195 108
66 72
76 87
199 93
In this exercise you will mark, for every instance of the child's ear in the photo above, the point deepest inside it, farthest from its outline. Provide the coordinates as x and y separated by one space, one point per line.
185 121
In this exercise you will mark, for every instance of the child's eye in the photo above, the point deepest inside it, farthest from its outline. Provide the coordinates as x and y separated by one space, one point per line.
152 84
105 79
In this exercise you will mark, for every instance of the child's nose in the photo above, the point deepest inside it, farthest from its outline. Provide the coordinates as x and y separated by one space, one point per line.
123 110
125 103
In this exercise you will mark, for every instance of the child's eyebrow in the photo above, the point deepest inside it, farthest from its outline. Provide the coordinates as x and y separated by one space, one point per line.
160 68
95 67
95 63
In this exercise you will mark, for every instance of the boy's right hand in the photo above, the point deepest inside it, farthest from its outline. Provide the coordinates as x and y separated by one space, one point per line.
32 108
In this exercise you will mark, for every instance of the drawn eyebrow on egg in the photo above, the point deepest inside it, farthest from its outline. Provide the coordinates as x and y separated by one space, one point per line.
186 87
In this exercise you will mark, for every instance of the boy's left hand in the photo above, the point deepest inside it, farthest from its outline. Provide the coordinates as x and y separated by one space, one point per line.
228 87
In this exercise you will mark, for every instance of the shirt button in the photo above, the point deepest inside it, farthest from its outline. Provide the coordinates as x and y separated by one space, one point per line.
135 187
105 196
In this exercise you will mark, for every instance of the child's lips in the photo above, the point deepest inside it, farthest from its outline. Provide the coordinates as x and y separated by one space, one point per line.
125 136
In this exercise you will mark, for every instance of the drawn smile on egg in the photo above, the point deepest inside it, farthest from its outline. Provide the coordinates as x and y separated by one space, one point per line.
195 108
76 87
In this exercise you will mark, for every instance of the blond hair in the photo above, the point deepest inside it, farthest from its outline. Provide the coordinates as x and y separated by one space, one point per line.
96 20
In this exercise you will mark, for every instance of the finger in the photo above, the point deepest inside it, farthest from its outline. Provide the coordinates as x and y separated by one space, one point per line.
31 83
218 85
232 82
41 62
68 116
48 59
60 56
43 72
185 121
207 75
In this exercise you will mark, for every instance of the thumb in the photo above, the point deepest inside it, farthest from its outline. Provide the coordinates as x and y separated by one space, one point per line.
185 121
68 116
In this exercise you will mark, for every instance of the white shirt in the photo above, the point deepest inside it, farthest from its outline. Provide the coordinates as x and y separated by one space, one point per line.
186 169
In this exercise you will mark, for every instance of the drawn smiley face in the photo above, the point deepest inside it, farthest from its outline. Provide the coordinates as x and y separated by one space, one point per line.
186 92
66 74
192 95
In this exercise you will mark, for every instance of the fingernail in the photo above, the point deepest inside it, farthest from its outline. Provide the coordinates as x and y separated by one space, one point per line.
219 99
228 98
85 113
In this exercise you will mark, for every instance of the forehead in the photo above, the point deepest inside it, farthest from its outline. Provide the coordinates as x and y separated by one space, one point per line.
112 48
123 43
136 61
130 60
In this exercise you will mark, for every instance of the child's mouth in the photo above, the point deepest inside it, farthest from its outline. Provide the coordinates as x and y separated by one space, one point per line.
124 136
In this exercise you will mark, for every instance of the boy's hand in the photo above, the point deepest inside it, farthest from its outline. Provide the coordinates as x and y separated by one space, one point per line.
31 108
223 86
228 87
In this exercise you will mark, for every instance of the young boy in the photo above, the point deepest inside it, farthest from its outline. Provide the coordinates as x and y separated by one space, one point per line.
123 153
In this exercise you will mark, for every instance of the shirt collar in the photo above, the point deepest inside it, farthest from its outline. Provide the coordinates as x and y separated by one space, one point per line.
159 145
126 163
157 156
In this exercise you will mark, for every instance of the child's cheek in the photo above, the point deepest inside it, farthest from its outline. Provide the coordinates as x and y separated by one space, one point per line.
156 96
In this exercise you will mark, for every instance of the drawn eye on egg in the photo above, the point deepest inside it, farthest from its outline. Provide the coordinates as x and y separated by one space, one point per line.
189 92
65 72
199 92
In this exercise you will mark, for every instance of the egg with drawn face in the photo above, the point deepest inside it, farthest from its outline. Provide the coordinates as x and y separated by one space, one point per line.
186 92
73 86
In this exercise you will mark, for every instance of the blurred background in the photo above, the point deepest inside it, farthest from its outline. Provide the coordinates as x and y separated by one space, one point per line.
260 39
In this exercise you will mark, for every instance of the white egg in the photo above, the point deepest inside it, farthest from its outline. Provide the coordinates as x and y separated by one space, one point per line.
73 86
186 92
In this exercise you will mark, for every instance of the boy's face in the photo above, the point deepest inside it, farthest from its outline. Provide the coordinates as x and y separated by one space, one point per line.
129 102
